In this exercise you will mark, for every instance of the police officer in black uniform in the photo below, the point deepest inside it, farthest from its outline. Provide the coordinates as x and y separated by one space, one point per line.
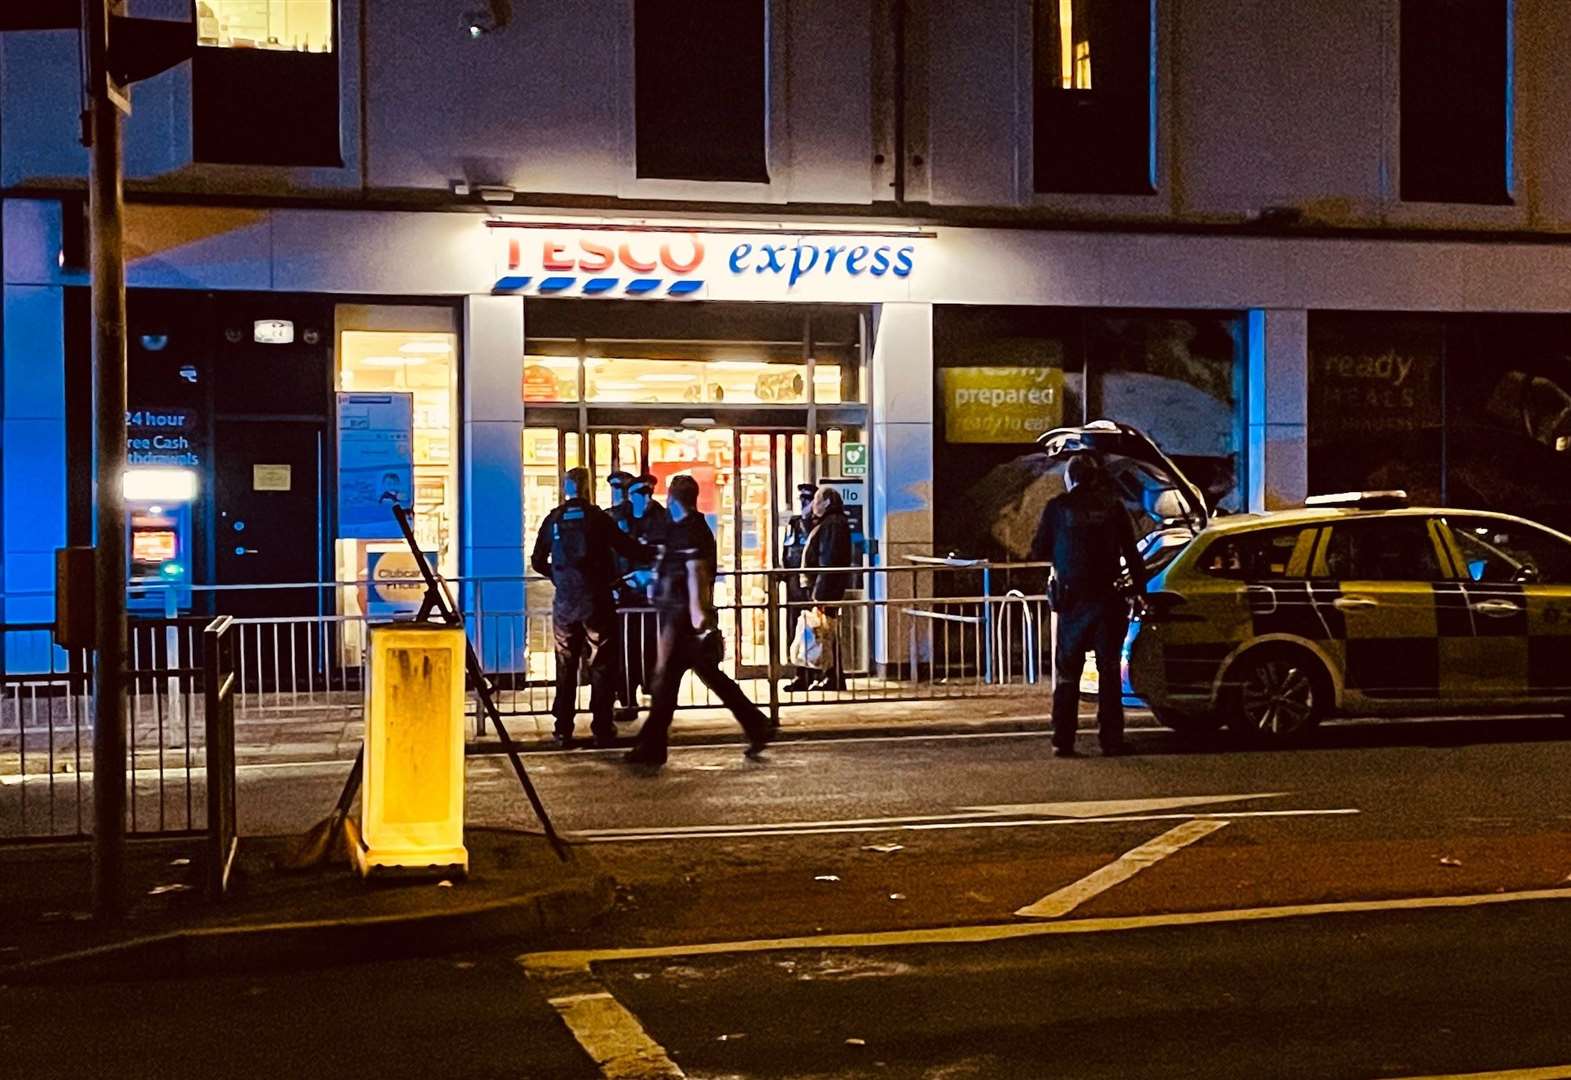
646 522
622 593
1083 533
574 549
798 528
689 631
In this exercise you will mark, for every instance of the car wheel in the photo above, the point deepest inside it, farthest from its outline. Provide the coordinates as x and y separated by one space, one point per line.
1276 695
1189 725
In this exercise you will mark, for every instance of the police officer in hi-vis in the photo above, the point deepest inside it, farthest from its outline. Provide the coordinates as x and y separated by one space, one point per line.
575 548
1083 533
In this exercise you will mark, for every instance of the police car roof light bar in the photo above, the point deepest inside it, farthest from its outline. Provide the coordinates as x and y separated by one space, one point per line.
1363 500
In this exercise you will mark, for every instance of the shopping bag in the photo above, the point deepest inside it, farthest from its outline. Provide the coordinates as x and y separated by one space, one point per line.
811 647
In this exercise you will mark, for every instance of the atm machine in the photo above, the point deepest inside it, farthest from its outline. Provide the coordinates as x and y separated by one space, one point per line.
159 526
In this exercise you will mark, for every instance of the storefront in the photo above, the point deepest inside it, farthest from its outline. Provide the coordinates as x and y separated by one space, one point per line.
323 364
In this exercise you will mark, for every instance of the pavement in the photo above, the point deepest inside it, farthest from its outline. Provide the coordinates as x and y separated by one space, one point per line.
516 890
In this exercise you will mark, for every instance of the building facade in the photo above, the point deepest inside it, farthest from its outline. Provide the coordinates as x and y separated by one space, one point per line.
410 251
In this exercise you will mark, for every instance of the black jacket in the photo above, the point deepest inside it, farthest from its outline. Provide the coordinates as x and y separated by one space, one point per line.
829 544
1082 533
574 548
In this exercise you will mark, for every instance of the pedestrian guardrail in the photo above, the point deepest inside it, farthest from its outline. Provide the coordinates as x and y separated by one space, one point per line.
935 630
180 755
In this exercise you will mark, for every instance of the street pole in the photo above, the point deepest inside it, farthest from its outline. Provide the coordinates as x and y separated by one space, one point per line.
106 200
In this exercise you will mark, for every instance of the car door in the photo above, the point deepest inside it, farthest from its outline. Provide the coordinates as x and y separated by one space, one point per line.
1375 579
1518 585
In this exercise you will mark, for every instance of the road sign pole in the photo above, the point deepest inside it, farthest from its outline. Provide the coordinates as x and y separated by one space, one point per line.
106 200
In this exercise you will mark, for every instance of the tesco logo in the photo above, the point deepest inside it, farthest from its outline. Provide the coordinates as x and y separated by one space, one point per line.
673 264
681 256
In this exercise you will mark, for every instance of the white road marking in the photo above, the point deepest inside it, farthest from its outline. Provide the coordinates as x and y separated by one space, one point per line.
875 825
1121 869
579 960
1115 806
613 1037
1550 1072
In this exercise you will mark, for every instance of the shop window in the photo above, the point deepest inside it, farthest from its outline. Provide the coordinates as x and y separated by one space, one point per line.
264 83
1007 375
1457 410
701 93
1456 101
423 366
1094 86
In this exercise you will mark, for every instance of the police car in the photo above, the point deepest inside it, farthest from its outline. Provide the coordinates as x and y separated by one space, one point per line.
1354 604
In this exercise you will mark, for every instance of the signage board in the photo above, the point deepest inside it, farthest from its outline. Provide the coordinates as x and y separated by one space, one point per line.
375 463
272 477
162 436
1001 404
853 459
683 264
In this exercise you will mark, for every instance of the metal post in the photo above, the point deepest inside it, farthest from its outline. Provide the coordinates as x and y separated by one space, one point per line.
105 204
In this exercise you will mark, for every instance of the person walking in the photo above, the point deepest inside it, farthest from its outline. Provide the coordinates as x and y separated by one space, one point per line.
690 638
1083 533
798 595
623 595
574 549
828 544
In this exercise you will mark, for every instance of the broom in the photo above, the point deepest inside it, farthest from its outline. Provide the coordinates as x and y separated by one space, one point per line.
328 841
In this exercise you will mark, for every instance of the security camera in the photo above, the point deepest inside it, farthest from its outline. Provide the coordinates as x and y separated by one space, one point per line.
482 21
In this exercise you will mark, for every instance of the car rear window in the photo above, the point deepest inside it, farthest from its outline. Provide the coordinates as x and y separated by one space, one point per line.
1252 556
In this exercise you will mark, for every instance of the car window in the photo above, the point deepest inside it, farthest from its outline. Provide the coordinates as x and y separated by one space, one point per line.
1380 549
1498 550
1252 556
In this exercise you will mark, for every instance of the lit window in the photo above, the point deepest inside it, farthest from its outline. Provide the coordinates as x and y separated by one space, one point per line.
1075 51
290 25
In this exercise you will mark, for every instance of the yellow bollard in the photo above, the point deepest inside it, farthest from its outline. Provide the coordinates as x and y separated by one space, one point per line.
412 806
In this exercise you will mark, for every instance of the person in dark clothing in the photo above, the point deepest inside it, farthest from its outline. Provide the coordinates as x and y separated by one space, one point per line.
622 592
646 521
689 635
1084 532
828 544
791 559
574 548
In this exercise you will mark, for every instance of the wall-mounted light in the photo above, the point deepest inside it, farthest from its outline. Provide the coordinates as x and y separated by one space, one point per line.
158 485
482 21
495 193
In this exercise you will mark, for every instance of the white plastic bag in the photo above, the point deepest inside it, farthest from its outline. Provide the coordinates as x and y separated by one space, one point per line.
812 646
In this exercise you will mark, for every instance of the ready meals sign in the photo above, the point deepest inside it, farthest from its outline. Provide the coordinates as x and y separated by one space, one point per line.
1001 404
681 264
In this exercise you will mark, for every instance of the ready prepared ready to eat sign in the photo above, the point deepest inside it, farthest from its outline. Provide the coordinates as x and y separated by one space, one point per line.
1001 404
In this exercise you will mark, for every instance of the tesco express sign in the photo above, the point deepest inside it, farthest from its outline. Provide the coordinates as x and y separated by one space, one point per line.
692 264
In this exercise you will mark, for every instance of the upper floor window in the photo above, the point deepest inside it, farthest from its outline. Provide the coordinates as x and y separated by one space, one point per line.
701 95
1094 96
1456 101
264 91
292 25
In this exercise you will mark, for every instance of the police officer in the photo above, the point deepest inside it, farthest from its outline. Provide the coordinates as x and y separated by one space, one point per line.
798 528
689 632
622 592
574 549
1083 533
646 522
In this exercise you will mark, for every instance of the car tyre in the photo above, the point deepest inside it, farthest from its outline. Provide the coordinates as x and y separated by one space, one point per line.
1275 696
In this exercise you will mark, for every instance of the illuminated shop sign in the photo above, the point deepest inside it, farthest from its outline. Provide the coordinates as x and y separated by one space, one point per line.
680 264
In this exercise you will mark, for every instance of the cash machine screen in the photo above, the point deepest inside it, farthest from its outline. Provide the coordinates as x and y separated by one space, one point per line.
151 549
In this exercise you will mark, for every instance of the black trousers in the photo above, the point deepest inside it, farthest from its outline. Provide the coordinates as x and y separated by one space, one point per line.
680 652
635 660
590 642
1099 623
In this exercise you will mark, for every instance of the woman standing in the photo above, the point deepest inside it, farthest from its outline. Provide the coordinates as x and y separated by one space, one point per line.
828 545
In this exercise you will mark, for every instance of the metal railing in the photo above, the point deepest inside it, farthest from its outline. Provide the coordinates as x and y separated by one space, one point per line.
173 725
294 683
